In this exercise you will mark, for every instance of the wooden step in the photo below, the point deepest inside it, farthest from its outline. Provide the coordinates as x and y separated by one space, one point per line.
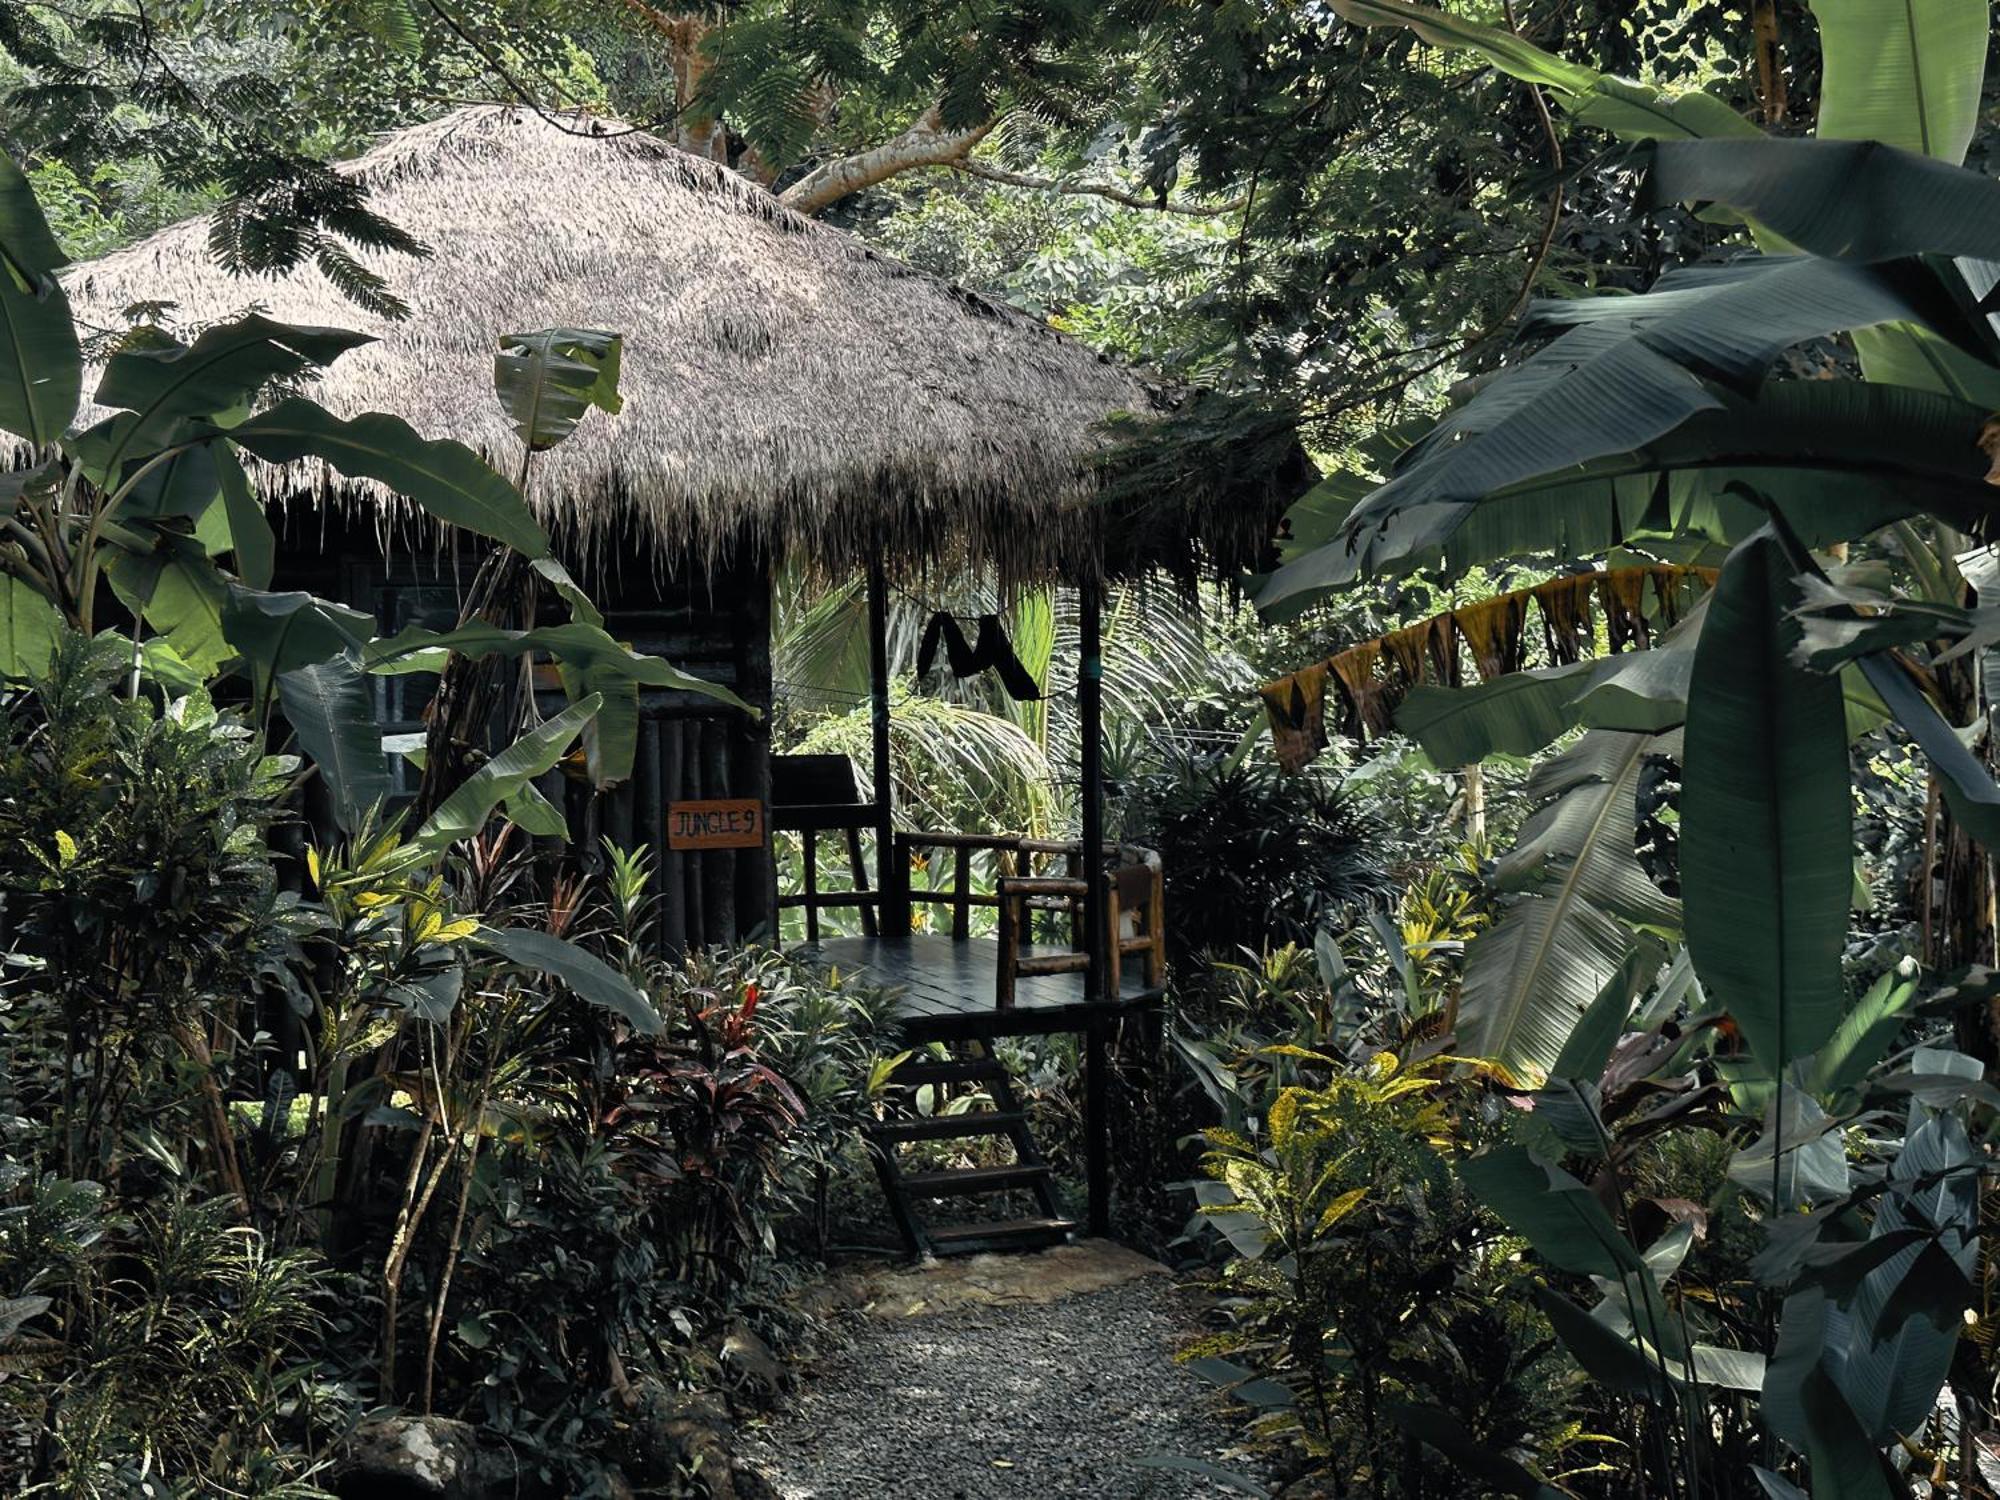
1006 1234
946 1070
947 1127
965 1181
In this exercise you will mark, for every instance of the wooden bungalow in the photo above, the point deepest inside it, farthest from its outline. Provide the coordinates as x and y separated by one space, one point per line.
789 395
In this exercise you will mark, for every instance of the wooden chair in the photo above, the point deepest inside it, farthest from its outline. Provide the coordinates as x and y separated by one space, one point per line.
815 794
1132 890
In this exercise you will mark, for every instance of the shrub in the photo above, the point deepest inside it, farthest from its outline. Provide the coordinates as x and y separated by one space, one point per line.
170 1354
1253 858
1367 1281
143 907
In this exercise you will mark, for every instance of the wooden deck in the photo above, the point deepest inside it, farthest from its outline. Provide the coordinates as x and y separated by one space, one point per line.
948 987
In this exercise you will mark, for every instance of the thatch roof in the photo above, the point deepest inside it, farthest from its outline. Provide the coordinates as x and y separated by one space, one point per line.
783 383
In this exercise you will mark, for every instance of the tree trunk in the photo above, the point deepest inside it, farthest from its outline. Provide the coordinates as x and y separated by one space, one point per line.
924 144
1770 69
477 697
1958 895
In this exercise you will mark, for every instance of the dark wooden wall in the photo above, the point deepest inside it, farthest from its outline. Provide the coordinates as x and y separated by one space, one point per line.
716 625
712 622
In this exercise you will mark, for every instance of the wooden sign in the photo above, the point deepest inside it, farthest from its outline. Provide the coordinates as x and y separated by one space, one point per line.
718 823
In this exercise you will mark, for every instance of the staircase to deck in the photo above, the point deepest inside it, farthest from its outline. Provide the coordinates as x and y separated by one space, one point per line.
918 1199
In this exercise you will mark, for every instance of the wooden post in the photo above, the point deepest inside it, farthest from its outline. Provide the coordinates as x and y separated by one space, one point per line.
961 893
673 875
1097 1052
650 814
1156 929
1114 917
694 787
718 866
894 918
812 884
1010 947
750 742
1090 717
859 869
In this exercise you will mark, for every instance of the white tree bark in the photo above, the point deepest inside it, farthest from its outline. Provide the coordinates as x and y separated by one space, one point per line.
924 144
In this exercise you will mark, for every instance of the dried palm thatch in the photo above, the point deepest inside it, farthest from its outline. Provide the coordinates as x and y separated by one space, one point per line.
1370 680
784 385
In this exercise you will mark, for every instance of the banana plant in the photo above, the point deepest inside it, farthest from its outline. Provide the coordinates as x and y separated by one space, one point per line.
1653 412
1576 900
1657 416
145 502
1665 415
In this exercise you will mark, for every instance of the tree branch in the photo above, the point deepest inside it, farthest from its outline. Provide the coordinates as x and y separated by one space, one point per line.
924 144
987 173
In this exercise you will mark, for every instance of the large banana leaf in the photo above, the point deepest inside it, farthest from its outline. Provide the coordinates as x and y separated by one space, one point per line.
466 810
546 381
29 626
445 478
180 593
250 534
1854 1371
1865 645
584 972
1554 1212
1864 1034
1893 1343
1523 712
41 365
1965 781
1804 1405
1766 841
332 711
1907 73
1588 1050
276 633
1634 111
1644 691
1838 458
1728 322
1516 714
593 664
1900 354
183 482
223 369
1846 200
1576 888
1904 72
588 648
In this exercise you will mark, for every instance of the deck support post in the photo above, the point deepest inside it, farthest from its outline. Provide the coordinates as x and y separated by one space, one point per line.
893 912
1097 1052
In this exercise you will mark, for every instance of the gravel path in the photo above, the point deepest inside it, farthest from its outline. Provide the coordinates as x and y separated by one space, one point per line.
988 1403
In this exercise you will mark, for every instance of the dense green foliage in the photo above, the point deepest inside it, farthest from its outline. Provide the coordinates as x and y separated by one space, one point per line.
1641 1149
296 1129
1753 1120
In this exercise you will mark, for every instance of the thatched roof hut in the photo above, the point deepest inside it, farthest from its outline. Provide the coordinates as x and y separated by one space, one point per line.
783 383
788 395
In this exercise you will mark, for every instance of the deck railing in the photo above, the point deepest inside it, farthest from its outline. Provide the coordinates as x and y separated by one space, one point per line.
1026 881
